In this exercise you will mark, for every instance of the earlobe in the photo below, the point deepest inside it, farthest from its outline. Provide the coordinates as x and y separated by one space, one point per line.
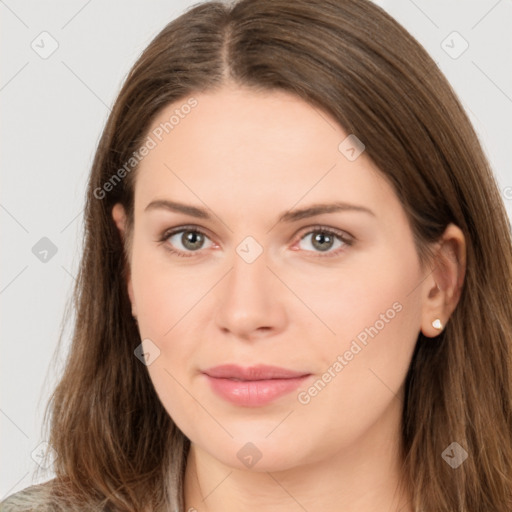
443 286
433 316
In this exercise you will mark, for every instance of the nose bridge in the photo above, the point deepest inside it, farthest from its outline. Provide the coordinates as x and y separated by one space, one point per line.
249 299
249 273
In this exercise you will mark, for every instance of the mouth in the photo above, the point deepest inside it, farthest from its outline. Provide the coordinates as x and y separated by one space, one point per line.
253 386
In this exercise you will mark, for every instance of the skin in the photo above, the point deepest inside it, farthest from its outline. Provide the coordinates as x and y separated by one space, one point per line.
248 156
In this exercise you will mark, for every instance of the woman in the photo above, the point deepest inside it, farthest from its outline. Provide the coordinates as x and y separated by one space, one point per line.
295 292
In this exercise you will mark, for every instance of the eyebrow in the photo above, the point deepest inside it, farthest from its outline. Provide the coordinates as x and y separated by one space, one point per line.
288 216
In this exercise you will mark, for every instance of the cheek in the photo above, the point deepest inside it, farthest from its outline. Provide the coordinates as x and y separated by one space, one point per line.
372 294
165 302
168 299
375 311
362 376
162 294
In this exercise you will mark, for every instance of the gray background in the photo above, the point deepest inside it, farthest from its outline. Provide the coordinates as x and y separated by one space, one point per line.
53 112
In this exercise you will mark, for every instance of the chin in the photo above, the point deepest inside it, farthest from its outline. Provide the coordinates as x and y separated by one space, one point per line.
257 452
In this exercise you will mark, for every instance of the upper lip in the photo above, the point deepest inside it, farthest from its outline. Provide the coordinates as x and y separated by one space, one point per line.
259 372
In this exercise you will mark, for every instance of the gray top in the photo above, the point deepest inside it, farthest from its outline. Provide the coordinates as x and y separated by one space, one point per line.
33 498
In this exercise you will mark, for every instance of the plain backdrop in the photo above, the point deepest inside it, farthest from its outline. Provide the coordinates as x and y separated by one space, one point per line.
63 63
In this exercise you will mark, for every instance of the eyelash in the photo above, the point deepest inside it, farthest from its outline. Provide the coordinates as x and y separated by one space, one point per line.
348 241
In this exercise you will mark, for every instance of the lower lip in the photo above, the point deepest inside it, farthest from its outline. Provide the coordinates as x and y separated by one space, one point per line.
254 393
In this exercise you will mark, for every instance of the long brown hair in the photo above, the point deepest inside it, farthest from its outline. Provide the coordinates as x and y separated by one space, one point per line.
117 448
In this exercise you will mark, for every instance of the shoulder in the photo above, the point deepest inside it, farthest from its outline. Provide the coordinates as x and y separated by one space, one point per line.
34 498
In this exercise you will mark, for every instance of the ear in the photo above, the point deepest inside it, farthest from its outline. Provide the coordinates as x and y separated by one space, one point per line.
119 216
442 288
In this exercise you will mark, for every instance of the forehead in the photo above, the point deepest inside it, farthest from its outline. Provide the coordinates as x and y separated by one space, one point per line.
238 144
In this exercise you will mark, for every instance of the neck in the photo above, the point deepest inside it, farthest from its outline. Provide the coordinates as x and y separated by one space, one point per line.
363 477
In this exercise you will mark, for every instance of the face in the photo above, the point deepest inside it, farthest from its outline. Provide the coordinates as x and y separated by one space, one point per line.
237 276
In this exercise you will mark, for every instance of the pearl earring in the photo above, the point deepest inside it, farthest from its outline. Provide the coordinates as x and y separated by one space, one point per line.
436 324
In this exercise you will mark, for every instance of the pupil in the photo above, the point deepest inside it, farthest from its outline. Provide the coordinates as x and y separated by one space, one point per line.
190 239
322 237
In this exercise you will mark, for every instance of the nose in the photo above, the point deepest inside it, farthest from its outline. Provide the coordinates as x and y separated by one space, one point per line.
250 301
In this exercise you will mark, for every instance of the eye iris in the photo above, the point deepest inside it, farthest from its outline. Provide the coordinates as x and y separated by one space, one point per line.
192 239
322 238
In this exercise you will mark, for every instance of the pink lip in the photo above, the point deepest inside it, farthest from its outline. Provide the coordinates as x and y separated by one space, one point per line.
253 386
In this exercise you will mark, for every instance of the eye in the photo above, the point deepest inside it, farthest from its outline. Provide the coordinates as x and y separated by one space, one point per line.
323 239
190 238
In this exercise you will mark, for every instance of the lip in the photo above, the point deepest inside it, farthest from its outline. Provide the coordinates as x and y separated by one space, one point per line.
253 386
